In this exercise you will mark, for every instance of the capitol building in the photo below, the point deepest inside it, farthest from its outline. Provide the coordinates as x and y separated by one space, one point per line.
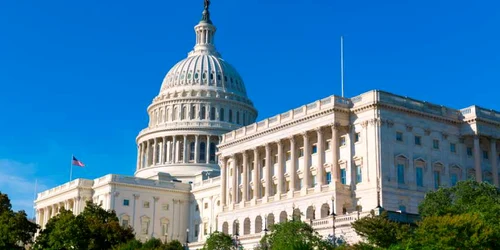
205 164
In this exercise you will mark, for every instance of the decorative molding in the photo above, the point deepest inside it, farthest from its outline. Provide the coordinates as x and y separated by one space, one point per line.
390 123
444 135
409 128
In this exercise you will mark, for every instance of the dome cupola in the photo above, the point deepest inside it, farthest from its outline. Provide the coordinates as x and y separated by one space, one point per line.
201 98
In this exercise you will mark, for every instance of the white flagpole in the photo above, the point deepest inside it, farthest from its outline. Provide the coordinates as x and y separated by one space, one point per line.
71 169
342 63
34 199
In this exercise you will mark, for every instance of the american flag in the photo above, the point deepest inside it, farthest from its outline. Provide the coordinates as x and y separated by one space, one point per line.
76 162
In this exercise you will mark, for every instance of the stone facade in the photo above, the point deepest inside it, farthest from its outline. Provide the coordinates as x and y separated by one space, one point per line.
203 164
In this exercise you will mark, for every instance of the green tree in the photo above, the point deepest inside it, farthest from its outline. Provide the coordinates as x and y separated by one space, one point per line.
16 230
380 231
174 245
293 235
94 228
219 241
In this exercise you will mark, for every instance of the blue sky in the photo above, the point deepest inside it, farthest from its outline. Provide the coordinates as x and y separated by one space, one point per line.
76 76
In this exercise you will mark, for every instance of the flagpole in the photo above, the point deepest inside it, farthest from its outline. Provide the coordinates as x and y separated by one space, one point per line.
71 169
342 63
35 197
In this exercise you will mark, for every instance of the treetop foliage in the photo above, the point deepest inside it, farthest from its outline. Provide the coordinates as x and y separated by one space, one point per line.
16 230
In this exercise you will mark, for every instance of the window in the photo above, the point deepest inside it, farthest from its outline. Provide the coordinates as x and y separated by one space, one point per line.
288 155
343 179
453 179
435 144
420 177
164 227
202 113
191 151
485 154
205 228
453 147
230 116
144 225
399 136
212 113
212 151
328 178
126 203
197 208
237 117
327 145
401 174
359 176
124 222
357 137
146 204
314 149
418 140
183 113
301 152
437 179
221 114
165 207
342 141
469 151
203 151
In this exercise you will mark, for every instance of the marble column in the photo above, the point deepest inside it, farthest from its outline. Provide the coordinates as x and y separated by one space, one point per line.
307 155
138 157
196 149
320 161
268 170
148 154
245 176
234 179
178 151
223 186
173 148
477 159
280 173
184 152
293 167
155 148
256 179
494 160
208 150
165 150
335 153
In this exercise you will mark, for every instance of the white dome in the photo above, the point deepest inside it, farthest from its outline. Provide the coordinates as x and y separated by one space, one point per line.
201 98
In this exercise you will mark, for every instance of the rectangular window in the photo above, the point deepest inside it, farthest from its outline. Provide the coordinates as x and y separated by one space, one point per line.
164 229
485 154
418 140
454 179
146 204
275 159
205 228
301 152
469 151
327 145
359 176
343 179
453 147
401 174
126 203
205 205
197 208
164 207
357 137
420 177
435 144
314 149
342 141
399 136
196 230
314 180
328 178
437 179
124 223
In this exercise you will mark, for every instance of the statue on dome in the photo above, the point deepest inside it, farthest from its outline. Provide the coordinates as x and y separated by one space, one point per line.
207 4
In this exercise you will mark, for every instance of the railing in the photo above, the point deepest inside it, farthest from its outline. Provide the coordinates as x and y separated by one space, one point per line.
65 187
308 109
207 182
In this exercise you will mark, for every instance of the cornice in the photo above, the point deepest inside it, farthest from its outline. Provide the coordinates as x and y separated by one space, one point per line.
223 145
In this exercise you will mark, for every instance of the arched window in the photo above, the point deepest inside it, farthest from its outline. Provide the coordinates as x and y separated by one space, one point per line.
193 110
125 219
164 226
203 151
183 113
237 117
244 119
212 152
174 115
202 113
144 225
212 113
191 151
230 116
221 115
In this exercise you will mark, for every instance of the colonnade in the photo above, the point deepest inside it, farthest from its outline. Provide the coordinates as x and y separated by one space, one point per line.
177 149
281 167
43 214
492 156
